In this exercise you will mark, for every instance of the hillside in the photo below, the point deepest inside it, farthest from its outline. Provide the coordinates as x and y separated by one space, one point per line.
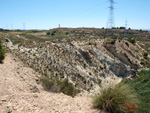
21 92
73 61
85 61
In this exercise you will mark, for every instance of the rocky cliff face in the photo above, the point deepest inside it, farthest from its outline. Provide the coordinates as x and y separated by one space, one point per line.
85 65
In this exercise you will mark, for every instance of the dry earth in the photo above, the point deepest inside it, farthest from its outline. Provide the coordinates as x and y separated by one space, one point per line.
20 92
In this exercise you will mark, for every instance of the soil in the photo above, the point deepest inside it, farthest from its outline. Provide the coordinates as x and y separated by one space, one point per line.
21 92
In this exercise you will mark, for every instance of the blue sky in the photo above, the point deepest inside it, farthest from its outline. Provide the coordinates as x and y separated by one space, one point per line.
47 14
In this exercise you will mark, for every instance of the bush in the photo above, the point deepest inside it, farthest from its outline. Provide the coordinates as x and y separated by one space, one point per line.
142 86
53 33
2 52
67 33
56 85
113 98
110 40
47 82
145 63
48 33
145 55
122 28
89 43
68 88
131 40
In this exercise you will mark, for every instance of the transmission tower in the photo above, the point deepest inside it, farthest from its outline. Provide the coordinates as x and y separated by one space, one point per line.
125 31
24 26
6 26
111 21
11 26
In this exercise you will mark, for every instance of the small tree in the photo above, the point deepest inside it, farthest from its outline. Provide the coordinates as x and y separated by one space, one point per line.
53 33
145 55
2 52
48 33
67 33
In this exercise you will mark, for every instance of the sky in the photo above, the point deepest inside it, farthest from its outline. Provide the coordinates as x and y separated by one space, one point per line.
48 14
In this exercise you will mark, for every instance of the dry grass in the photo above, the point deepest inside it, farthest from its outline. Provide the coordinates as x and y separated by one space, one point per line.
113 98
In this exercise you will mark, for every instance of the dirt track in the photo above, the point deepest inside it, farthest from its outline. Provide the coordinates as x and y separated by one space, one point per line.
21 93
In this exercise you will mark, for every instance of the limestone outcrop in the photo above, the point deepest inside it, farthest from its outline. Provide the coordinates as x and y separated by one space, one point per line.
84 65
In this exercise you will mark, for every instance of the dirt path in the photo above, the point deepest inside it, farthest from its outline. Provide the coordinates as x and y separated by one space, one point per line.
21 93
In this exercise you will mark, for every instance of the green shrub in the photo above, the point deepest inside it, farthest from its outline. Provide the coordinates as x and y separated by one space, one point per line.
89 43
67 33
119 38
68 88
53 33
47 82
48 33
68 41
56 85
145 63
122 28
145 55
2 52
142 86
113 98
127 44
131 40
110 40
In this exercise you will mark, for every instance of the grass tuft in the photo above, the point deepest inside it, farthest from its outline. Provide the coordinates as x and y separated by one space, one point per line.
114 97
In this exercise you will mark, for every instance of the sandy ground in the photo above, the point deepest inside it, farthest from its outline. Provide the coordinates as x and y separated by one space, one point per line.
20 92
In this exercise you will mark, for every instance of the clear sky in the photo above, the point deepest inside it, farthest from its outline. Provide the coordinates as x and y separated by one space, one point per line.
47 14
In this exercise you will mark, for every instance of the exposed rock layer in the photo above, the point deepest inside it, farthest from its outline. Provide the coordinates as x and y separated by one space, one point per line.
83 64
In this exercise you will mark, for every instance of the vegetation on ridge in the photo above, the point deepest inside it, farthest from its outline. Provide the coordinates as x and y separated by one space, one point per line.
2 52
